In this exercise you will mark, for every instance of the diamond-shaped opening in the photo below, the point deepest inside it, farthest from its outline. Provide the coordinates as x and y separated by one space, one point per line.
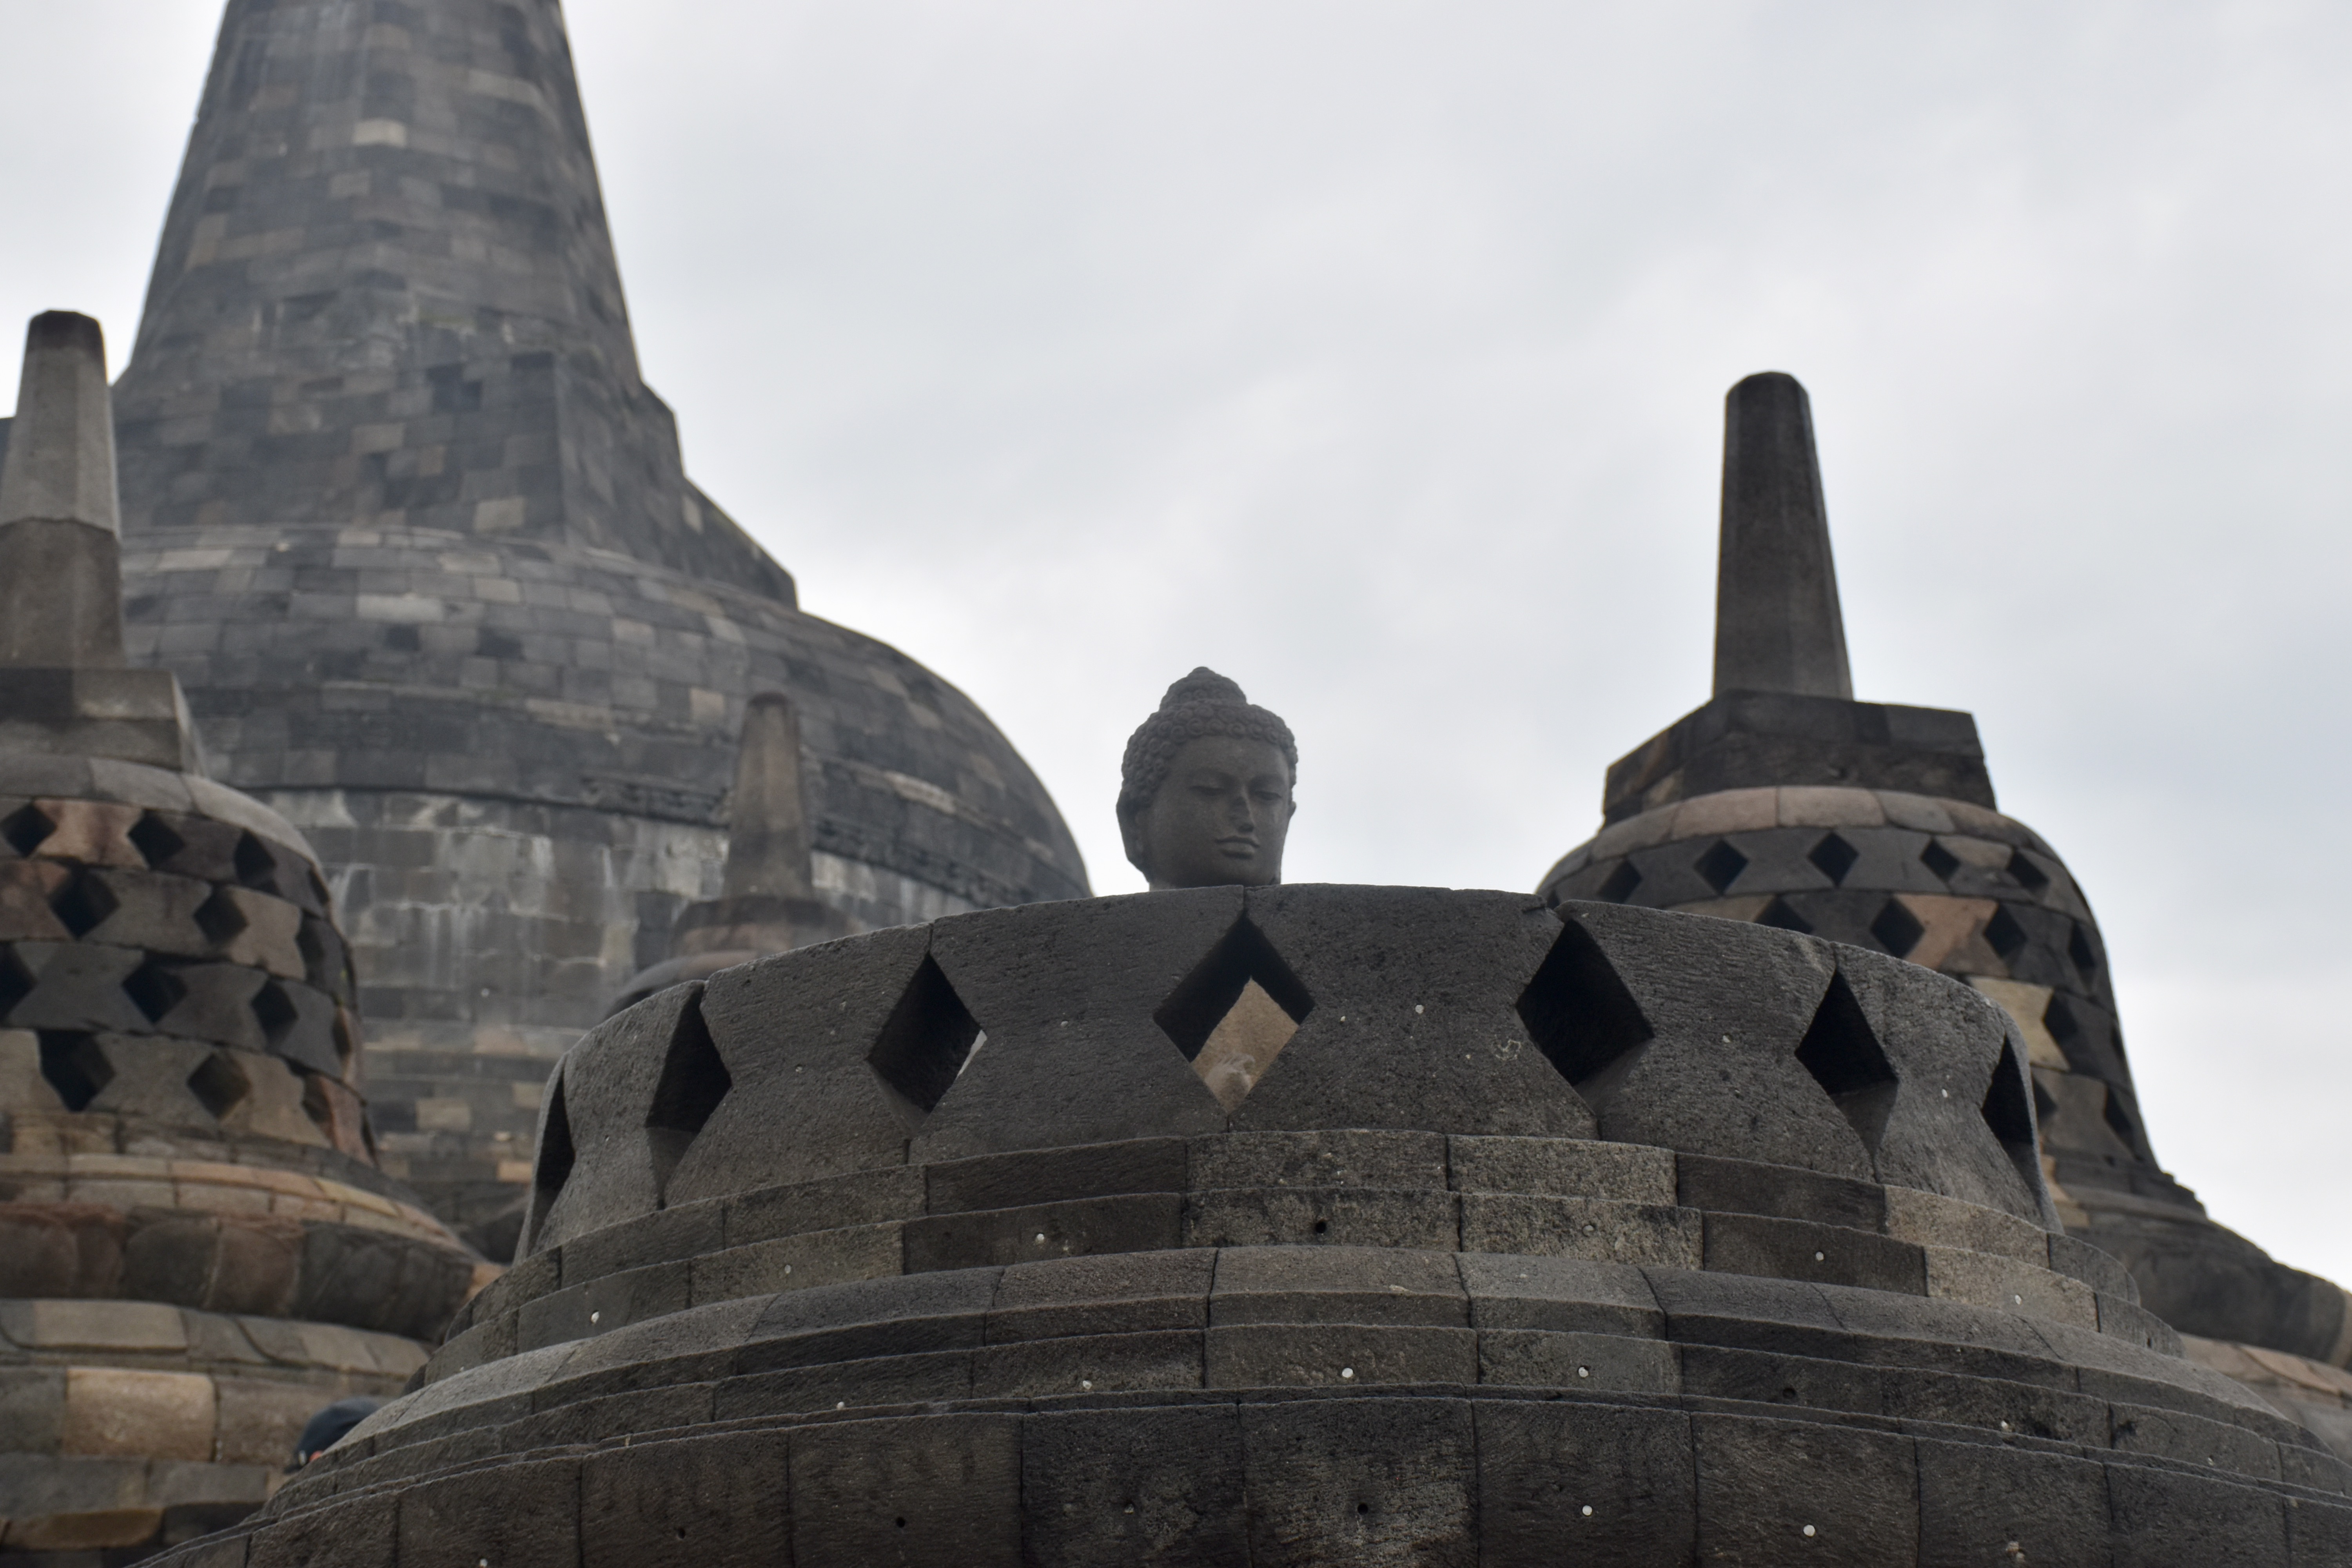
1580 1014
83 903
276 1013
2010 1115
347 1045
1897 928
925 1043
155 839
219 918
219 1084
2002 932
257 868
2030 877
1619 884
693 1081
1778 914
1939 860
2079 949
1834 857
155 989
16 981
75 1068
26 828
2119 1120
2060 1020
1844 1057
1721 864
318 1104
1233 1014
556 1155
315 941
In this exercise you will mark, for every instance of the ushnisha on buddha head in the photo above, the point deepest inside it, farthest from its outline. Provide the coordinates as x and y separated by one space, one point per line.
1205 798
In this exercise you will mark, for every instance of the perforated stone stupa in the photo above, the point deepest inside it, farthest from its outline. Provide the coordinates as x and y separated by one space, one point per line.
1605 1234
1785 801
405 519
198 1249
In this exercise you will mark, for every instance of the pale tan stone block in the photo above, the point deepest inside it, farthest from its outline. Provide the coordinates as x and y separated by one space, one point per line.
92 832
1918 812
1950 926
1811 805
1603 1230
21 1083
95 1531
1560 1167
1727 811
2025 1004
94 1325
444 1115
796 1262
1976 819
1982 1279
152 1415
269 939
1984 854
259 1419
124 1194
1741 909
1651 827
1935 1220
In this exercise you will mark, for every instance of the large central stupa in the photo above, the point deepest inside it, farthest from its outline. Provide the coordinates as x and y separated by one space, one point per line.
417 541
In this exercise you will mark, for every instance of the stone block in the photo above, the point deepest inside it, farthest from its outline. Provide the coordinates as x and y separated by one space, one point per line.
1993 1404
32 1408
1726 1004
1361 1480
1339 1355
78 987
1767 1377
2121 1318
2078 1259
118 1412
606 1086
1138 1223
1784 1491
125 1326
1089 1364
1065 994
797 1263
152 910
269 934
2164 1515
868 1383
1933 1220
1600 1229
1829 1255
116 1529
1589 1483
259 1421
719 1500
2192 1441
1415 1023
667 1235
1307 1217
905 1315
92 832
941 1491
1119 1292
1559 1294
1781 1315
1336 1285
522 1515
1028 1178
1986 1281
855 1198
1587 1363
794 1032
1742 1186
1560 1167
26 888
1107 1489
1322 1158
2317 1532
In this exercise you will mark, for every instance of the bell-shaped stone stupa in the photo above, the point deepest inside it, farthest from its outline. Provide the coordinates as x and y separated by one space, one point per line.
1784 801
197 1250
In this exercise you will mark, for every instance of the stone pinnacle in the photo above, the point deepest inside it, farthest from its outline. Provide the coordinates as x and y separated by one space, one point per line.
60 556
767 835
1776 623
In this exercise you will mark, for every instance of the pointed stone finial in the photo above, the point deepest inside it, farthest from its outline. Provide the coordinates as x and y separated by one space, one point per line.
768 837
1776 623
60 556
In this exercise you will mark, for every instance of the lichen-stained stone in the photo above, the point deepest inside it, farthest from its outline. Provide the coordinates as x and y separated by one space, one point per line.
1726 1011
1065 993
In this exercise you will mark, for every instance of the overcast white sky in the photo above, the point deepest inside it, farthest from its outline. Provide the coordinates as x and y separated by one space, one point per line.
1373 353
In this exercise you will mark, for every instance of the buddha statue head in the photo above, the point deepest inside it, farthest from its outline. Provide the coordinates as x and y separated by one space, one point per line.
1205 798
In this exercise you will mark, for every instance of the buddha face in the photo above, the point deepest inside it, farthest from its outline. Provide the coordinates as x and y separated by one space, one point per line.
1218 819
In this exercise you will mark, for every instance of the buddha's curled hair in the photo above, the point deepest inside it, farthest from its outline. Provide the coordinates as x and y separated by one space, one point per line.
1203 703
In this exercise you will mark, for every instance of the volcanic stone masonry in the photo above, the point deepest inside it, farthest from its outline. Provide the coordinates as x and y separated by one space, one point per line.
405 519
198 1249
1605 1234
1783 801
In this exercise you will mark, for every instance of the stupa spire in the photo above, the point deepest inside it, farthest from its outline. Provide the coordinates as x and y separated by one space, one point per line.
768 835
386 295
60 545
1776 623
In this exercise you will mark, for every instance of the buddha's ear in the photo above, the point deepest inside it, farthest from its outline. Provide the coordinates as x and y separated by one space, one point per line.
1130 834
